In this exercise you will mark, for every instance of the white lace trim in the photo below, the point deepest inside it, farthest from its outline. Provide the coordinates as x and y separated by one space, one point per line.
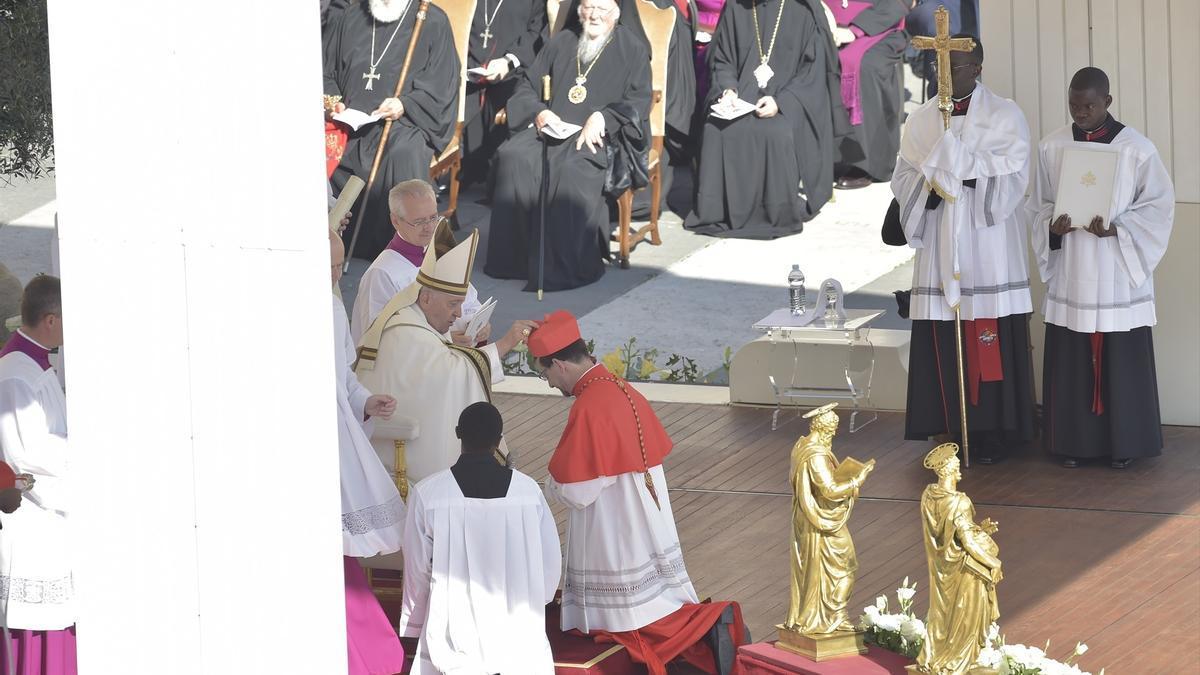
35 591
378 517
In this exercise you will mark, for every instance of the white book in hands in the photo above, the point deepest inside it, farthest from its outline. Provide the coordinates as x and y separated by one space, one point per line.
560 129
731 109
356 118
1086 178
478 73
481 319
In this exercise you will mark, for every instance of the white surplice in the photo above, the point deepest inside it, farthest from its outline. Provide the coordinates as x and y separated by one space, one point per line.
372 511
1104 284
432 382
989 269
624 563
478 574
36 587
389 274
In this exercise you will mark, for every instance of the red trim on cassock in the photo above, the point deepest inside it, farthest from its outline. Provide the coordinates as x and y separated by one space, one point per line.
679 634
1097 368
601 437
937 358
983 354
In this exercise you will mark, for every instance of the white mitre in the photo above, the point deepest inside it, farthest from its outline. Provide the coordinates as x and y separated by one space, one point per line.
449 274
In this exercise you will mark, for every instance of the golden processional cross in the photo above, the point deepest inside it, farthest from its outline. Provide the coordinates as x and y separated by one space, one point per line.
943 44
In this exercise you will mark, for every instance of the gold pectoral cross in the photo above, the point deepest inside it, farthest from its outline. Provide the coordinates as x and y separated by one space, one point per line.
370 78
943 44
486 35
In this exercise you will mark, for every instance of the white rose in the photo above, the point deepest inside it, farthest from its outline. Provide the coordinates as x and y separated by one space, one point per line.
870 616
912 629
905 594
989 657
889 622
881 603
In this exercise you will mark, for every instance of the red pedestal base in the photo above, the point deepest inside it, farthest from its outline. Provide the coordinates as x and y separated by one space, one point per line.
764 658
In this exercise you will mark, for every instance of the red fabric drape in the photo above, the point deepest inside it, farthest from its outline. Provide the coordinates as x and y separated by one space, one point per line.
335 145
678 635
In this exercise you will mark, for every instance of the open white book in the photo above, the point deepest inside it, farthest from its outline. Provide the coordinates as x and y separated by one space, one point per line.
356 118
481 318
561 130
478 73
1086 178
732 109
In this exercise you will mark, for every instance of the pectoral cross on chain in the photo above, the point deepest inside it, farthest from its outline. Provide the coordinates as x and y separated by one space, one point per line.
943 44
486 35
370 78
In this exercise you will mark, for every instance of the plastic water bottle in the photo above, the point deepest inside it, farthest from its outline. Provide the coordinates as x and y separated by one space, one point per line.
796 298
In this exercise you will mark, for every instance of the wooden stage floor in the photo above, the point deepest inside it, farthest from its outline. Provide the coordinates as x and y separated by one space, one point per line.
1107 557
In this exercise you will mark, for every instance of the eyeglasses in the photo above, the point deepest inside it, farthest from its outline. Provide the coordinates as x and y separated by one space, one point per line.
595 11
433 220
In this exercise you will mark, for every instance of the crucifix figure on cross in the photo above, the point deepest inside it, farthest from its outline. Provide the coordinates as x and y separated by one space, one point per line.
943 44
370 78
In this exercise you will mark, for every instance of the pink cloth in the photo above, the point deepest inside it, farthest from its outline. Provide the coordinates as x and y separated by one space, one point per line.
764 658
707 13
39 652
371 640
851 55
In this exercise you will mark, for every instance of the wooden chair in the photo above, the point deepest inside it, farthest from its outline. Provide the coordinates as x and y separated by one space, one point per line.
659 24
460 13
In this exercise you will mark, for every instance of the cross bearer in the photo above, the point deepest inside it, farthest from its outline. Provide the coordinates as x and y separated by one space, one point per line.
959 189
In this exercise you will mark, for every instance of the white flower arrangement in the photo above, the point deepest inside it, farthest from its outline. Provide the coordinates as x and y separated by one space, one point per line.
1025 660
901 632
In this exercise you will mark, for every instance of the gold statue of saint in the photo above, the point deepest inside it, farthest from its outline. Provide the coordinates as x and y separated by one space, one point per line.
964 569
822 555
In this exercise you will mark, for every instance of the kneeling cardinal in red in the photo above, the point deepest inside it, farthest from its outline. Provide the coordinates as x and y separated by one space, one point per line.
625 580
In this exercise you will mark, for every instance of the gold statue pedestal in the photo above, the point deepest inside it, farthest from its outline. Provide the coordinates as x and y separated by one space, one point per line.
822 647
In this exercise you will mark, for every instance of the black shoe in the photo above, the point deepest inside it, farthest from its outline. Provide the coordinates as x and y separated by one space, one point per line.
1122 463
1070 463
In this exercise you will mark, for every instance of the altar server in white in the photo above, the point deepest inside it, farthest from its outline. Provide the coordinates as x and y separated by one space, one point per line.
1100 389
407 354
959 192
372 511
481 561
36 587
414 213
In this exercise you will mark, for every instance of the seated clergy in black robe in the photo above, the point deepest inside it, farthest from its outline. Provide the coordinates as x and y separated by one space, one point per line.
681 88
615 88
365 46
871 41
505 36
765 173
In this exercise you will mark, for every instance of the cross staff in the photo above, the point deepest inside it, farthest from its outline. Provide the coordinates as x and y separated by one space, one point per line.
943 44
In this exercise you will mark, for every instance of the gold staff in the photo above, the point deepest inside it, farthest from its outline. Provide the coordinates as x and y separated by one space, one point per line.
943 44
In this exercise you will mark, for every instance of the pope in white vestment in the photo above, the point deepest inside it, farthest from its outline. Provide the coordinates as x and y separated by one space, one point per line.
406 355
481 562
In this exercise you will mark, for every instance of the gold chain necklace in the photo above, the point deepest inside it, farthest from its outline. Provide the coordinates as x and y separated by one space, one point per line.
763 72
637 419
578 93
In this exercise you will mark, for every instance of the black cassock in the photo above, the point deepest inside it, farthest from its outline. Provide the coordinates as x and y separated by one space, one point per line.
517 28
751 168
577 222
871 147
430 97
681 89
